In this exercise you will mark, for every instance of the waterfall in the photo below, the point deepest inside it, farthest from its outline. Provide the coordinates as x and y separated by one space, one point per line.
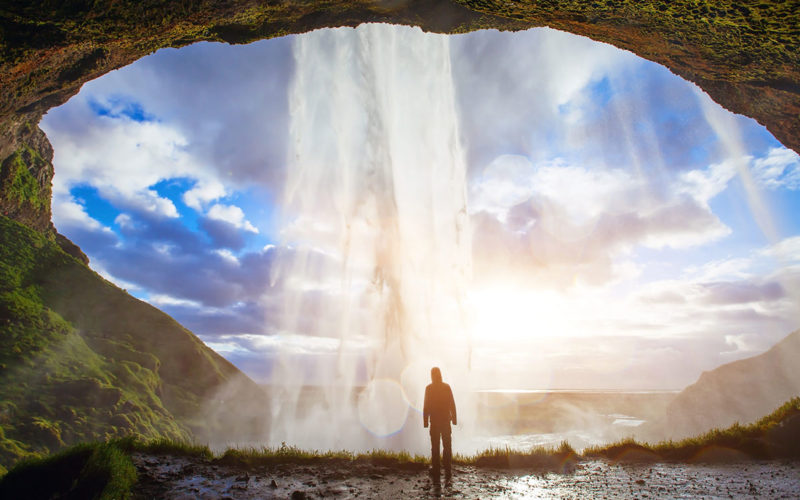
376 220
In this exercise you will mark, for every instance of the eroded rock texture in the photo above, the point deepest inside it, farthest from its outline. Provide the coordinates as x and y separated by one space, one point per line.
744 54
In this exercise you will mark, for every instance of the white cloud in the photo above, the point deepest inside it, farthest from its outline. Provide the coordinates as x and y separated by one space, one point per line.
228 348
290 343
703 185
124 220
163 248
69 214
738 267
227 255
232 215
100 268
574 223
779 169
741 344
203 193
121 158
582 193
787 250
162 300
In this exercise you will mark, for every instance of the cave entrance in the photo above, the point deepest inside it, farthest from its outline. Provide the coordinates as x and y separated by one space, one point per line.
610 247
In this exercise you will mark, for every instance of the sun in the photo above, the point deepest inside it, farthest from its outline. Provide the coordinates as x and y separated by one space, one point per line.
512 313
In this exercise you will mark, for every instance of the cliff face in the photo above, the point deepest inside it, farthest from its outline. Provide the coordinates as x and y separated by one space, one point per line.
25 179
741 391
744 54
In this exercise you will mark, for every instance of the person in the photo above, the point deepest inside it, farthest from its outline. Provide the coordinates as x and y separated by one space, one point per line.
439 409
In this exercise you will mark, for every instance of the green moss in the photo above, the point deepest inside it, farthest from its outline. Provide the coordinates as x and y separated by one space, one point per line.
29 327
94 470
19 184
744 43
109 470
169 447
12 451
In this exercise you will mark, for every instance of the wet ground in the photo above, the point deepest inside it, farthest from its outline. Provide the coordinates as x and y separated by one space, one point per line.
190 478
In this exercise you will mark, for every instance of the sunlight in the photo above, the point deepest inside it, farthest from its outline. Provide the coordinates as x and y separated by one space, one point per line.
509 312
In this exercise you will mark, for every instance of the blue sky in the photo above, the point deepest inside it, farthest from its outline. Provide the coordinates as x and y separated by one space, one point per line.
598 183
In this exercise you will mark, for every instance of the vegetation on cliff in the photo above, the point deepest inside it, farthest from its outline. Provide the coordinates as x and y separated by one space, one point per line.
22 186
25 187
82 360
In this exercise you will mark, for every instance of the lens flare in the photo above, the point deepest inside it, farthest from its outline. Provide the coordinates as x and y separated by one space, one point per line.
382 407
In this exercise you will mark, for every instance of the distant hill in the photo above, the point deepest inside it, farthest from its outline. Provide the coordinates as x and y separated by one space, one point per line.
741 391
80 360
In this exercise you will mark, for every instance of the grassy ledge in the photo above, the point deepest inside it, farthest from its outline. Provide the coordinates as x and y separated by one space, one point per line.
105 470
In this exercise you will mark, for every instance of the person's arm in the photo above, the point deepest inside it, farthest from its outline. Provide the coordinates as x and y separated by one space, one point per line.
426 408
453 416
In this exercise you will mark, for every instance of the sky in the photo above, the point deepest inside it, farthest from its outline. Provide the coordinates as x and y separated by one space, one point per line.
627 232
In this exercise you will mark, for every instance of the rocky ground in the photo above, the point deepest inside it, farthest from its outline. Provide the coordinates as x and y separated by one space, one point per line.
188 478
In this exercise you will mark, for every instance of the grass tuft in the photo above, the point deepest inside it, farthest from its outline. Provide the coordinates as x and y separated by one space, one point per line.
168 446
88 470
543 458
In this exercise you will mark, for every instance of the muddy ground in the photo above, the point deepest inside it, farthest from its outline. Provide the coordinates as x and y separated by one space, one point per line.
174 477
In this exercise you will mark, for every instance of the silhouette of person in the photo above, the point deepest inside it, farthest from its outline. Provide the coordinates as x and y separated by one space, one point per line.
440 409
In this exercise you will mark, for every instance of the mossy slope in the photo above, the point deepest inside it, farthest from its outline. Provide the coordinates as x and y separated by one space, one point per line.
81 359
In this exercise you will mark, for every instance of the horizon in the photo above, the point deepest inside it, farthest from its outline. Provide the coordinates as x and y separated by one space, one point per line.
358 388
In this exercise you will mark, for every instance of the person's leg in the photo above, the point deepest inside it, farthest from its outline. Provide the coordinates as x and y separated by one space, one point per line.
447 452
435 433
